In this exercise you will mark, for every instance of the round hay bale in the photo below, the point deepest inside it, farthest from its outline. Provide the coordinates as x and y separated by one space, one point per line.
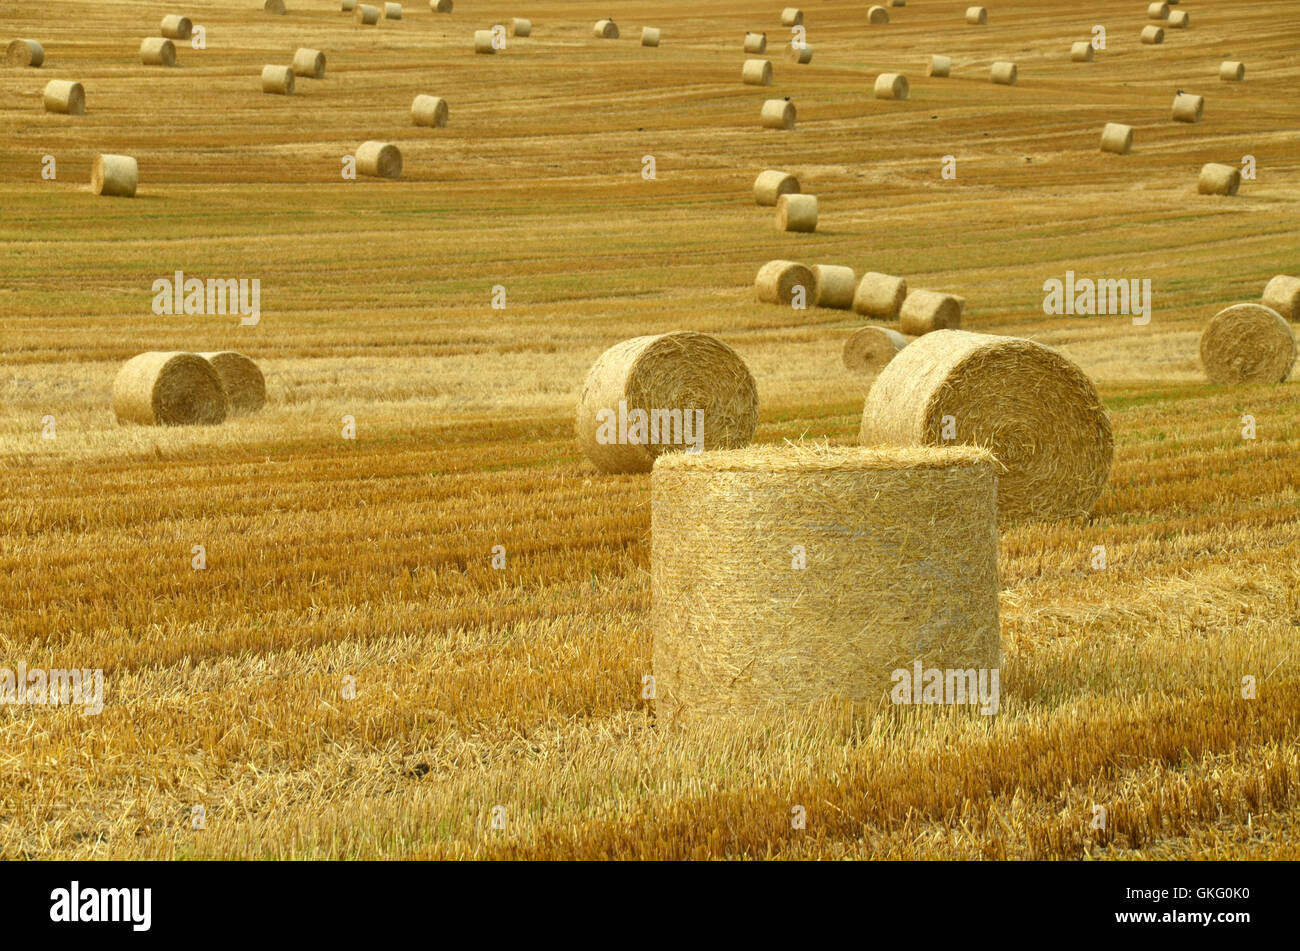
1232 71
1157 11
25 53
1036 411
1282 293
392 11
771 185
792 16
649 36
880 295
309 63
977 16
366 15
799 54
776 282
1081 52
939 66
1248 343
891 86
429 111
521 27
899 551
241 380
274 6
1117 138
1152 35
158 51
1219 179
440 6
796 213
1188 108
278 80
1179 20
114 175
924 312
756 72
778 114
605 30
1003 73
665 377
833 286
877 16
483 42
349 5
64 96
176 27
169 389
869 349
755 42
379 159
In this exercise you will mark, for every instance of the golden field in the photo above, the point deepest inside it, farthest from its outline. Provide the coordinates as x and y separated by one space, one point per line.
521 688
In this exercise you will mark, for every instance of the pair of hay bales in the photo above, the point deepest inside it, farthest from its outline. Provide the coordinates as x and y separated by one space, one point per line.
919 312
28 53
824 285
1251 343
64 96
307 63
183 389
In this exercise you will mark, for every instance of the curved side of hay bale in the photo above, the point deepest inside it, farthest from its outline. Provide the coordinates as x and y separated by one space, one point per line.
1117 137
756 72
169 389
924 312
483 42
877 16
521 27
274 6
1152 35
309 63
25 53
1036 411
1248 343
939 66
241 380
792 16
650 36
1216 179
1188 108
379 159
429 111
977 16
176 27
778 114
114 175
869 349
665 377
1157 11
833 286
880 295
440 6
278 80
1003 73
392 11
776 281
605 30
796 213
772 184
755 42
1232 71
65 97
158 51
1282 293
908 576
366 15
1081 52
891 86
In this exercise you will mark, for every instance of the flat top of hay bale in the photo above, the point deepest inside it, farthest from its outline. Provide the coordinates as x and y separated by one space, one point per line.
798 457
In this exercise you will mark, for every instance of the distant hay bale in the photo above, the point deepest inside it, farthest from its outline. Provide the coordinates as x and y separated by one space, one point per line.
939 66
877 16
1282 293
366 15
241 380
1117 138
833 286
1218 179
605 30
309 63
799 54
1179 20
898 3
925 312
278 80
792 16
379 159
1157 11
429 111
158 51
880 295
392 11
274 6
1036 411
1081 52
785 576
1188 108
1232 71
440 6
796 213
521 27
666 377
1248 343
1003 73
64 96
778 114
869 349
25 53
1152 35
977 16
649 36
169 389
755 42
349 5
756 72
483 42
891 86
777 280
114 175
771 185
176 27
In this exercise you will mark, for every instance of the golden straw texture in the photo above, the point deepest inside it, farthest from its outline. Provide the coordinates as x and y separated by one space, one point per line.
776 282
833 286
241 380
380 159
1248 343
869 349
168 389
1282 293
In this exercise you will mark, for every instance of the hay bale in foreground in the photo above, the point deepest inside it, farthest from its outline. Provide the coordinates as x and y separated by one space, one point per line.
114 175
25 53
877 15
776 281
833 286
1282 293
771 185
899 553
483 42
309 63
1081 52
796 213
1188 108
755 42
778 114
1232 71
366 15
1216 179
379 159
756 72
605 30
977 16
1152 35
869 349
649 36
169 389
664 378
1248 343
278 80
1003 73
891 86
924 312
274 6
1117 137
65 97
158 51
792 16
1035 410
241 380
880 295
430 111
176 27
940 66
